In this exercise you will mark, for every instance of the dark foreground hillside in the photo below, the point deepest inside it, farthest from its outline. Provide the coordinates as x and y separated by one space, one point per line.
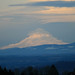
47 70
62 56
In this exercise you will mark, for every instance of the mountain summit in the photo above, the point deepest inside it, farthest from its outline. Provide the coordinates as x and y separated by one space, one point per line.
37 37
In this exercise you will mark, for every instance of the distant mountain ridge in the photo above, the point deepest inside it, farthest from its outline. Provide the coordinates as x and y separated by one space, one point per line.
40 50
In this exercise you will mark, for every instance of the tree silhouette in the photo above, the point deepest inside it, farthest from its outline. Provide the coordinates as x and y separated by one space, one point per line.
53 71
30 70
35 72
24 72
10 72
74 71
65 73
1 71
16 72
47 69
5 72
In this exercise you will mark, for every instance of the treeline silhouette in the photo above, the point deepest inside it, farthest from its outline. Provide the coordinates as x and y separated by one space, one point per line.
34 71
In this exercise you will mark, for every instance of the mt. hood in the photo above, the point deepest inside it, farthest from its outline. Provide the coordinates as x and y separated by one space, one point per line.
37 37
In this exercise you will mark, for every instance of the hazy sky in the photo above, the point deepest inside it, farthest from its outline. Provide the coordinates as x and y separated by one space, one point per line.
19 17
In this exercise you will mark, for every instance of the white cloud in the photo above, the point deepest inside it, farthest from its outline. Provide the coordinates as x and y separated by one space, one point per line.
56 10
6 19
61 18
50 48
37 37
71 46
40 14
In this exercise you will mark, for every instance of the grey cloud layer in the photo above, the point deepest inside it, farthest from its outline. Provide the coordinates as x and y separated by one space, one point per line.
50 3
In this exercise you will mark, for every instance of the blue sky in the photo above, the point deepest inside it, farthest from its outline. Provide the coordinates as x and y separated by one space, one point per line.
19 17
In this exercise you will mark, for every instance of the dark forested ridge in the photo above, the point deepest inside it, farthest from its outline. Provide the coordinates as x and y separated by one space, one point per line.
47 70
62 56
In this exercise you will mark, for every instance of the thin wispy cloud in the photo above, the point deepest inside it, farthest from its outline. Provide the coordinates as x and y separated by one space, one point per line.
62 18
56 10
44 13
49 0
49 3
